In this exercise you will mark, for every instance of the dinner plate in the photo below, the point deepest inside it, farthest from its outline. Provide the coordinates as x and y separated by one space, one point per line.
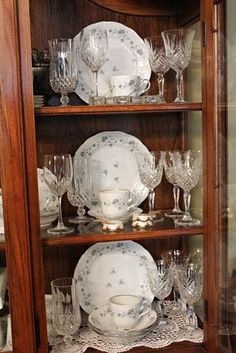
114 165
127 55
101 321
112 268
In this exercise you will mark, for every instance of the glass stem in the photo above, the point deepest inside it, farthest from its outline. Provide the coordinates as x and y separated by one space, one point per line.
187 198
176 193
162 310
80 211
151 200
64 99
191 321
180 86
95 83
160 80
60 219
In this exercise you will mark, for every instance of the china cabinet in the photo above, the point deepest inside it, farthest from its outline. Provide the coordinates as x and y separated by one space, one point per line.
206 122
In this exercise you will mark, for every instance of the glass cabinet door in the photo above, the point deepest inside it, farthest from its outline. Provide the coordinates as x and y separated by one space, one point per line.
226 109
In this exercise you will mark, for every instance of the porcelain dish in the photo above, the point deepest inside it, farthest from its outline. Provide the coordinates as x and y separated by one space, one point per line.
112 268
101 319
97 213
127 54
115 165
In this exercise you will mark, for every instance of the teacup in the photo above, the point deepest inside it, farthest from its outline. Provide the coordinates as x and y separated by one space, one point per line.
127 310
116 203
128 85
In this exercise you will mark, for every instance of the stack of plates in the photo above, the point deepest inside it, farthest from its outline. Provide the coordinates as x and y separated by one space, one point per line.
39 101
113 268
100 321
114 166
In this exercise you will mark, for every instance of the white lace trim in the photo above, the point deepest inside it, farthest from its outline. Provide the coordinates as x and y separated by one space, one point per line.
155 339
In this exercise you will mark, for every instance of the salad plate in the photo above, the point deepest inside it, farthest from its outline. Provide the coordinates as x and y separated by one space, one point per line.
112 268
114 165
127 54
100 320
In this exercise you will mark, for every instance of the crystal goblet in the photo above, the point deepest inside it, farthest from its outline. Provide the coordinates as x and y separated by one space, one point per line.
93 49
190 284
150 172
66 318
158 62
187 169
178 47
58 173
177 260
170 176
63 67
161 282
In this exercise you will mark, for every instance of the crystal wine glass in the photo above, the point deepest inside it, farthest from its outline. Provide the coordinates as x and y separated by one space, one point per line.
170 176
190 283
93 49
158 62
66 316
58 173
151 171
161 282
63 67
178 47
177 260
187 169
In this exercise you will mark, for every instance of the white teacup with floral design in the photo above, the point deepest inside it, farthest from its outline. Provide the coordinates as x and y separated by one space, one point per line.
116 203
127 310
128 85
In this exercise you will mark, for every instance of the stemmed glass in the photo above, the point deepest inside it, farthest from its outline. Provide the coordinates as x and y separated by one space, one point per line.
178 47
58 173
177 260
161 282
190 283
63 67
151 171
66 317
93 49
158 62
170 176
187 169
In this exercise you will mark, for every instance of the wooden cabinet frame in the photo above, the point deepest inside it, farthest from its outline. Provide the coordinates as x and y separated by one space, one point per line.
19 179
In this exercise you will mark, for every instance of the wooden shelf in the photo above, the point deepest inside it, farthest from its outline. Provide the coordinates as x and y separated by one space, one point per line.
181 347
116 109
93 233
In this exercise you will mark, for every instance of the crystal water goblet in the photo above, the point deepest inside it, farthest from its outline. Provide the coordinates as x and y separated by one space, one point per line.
78 200
63 67
177 260
66 316
190 284
158 62
150 172
170 176
161 282
93 49
187 169
178 47
58 173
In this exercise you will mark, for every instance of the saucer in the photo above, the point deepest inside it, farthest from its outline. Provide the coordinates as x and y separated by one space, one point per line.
97 213
101 321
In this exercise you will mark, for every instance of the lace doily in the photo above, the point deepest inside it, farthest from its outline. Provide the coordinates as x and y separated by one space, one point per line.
87 338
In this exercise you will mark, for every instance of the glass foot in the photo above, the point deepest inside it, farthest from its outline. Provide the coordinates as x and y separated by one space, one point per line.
60 230
179 100
174 214
80 219
187 222
193 332
165 325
